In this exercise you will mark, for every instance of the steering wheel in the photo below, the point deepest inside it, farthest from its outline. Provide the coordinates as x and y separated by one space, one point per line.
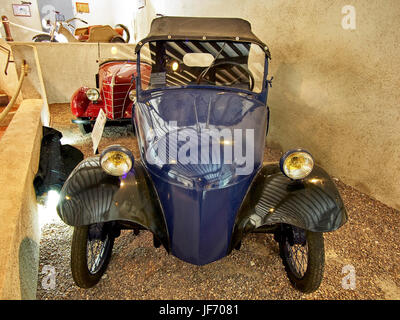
249 73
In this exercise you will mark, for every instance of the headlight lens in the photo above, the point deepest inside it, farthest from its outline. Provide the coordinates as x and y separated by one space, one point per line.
93 94
116 160
132 95
297 164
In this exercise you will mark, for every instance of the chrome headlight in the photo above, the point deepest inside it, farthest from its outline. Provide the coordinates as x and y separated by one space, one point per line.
297 164
132 95
93 94
116 160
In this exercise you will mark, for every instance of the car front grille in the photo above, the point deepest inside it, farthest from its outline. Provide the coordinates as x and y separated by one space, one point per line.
116 98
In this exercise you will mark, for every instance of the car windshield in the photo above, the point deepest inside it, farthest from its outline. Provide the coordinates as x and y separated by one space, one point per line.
213 63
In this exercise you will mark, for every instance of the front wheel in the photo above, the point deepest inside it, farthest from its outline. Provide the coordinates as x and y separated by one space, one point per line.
90 254
85 128
303 256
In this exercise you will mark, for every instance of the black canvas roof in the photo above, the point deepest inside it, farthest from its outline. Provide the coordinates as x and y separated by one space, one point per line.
196 28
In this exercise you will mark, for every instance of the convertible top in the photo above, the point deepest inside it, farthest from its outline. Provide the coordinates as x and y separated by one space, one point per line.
195 28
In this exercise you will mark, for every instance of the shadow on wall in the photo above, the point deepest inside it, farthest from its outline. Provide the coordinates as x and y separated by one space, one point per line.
294 123
28 268
285 106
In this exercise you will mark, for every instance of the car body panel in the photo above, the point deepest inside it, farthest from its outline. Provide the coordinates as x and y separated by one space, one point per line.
91 196
313 203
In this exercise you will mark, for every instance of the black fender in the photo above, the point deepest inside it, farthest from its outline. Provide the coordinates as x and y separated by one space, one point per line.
313 203
56 162
90 195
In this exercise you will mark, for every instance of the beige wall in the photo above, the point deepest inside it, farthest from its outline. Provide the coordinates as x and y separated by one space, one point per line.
336 92
67 66
9 81
19 229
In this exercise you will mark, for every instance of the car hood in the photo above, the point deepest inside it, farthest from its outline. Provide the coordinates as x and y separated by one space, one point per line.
200 200
120 71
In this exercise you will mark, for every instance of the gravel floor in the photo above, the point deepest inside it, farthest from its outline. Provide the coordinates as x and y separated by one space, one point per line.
368 242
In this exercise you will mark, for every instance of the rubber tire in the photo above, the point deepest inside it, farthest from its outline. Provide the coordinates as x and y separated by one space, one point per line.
117 39
85 128
43 38
80 272
128 35
312 278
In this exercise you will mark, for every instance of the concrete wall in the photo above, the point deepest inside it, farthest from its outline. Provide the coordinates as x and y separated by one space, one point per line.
67 66
336 92
19 229
9 81
33 86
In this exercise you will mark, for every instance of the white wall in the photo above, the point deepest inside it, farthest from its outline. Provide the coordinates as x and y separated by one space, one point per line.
101 12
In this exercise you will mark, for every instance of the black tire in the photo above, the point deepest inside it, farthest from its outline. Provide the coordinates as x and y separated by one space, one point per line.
43 38
81 274
128 35
85 128
310 280
117 39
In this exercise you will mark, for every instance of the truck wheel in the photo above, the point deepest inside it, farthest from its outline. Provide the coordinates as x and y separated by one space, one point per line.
303 256
85 128
90 254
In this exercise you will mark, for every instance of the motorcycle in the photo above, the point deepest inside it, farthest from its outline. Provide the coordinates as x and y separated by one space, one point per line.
60 31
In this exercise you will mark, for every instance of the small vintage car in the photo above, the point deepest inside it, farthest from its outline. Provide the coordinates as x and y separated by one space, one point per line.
114 94
200 185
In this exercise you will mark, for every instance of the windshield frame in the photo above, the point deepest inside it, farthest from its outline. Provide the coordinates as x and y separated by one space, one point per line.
258 95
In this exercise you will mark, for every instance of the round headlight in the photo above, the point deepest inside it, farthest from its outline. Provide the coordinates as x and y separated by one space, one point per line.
93 94
297 164
116 160
132 95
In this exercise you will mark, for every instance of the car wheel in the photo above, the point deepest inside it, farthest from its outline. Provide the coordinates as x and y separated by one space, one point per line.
85 128
117 39
43 38
303 256
90 254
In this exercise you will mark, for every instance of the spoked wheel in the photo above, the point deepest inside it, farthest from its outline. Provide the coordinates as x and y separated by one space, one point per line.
303 256
90 253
